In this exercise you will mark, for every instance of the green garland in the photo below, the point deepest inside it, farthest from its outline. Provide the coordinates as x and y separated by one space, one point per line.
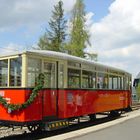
34 94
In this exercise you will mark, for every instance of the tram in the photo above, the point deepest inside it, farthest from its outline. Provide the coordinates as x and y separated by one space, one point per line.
72 87
136 89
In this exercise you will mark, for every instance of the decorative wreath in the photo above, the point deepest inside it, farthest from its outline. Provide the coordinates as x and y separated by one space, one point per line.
34 94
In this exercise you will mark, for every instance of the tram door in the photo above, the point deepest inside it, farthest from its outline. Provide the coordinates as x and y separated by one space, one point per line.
50 93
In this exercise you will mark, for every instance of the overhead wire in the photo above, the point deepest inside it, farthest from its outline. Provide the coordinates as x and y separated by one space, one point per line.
7 49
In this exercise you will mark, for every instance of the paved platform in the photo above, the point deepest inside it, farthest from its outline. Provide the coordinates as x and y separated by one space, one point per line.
84 131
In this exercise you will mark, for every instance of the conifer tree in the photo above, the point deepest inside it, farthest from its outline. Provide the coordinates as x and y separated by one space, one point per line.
44 43
79 36
54 37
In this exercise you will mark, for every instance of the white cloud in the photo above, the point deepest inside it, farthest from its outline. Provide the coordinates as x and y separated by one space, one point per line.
10 48
26 19
116 38
17 13
88 18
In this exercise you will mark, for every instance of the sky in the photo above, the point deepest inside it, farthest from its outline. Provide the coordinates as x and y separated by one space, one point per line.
114 27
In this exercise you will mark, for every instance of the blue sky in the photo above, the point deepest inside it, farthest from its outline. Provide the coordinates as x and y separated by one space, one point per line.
114 27
98 7
19 35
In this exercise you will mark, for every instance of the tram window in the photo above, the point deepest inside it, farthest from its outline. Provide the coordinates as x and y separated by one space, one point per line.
102 81
94 80
88 79
136 82
15 71
122 82
3 72
34 68
127 83
49 72
119 82
74 64
73 78
61 76
115 82
110 82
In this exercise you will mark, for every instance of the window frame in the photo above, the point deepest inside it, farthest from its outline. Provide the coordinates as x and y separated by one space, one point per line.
10 66
27 71
78 87
9 58
105 75
43 70
7 77
93 76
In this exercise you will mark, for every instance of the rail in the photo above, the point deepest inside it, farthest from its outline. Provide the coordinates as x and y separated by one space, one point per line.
135 106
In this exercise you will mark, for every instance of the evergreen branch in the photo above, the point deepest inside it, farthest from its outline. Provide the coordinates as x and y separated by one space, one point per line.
33 96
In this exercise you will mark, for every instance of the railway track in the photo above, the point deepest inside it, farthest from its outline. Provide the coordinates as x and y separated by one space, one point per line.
135 106
22 134
18 133
6 132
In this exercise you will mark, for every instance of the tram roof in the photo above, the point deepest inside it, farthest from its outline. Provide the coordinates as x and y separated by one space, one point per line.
62 56
138 76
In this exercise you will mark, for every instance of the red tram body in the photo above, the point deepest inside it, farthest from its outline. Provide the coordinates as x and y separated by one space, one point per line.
56 104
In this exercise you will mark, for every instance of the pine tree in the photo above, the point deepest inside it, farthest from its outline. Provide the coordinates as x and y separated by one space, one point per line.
54 37
79 36
44 43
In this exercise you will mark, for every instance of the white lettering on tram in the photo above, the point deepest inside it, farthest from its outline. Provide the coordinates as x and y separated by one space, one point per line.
2 93
122 98
70 98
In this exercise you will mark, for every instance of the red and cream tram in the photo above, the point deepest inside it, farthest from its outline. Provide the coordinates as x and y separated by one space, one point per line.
73 87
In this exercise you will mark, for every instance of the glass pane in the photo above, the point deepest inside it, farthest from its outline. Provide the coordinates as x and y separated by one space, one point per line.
115 82
102 81
94 80
88 79
34 69
34 65
73 78
74 64
136 82
3 72
119 82
32 78
49 72
15 71
110 82
126 82
61 76
122 82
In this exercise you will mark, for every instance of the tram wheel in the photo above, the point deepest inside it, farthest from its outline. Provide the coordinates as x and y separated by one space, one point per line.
115 113
92 117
